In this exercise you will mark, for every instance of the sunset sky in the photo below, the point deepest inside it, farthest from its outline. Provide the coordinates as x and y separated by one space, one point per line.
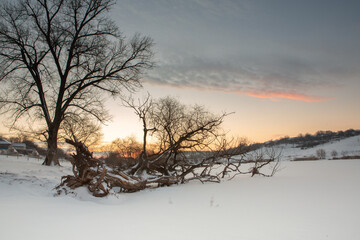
283 67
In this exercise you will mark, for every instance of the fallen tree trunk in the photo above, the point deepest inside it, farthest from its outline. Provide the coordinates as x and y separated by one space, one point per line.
101 178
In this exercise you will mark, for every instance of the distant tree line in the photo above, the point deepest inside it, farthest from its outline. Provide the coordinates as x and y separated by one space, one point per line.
309 141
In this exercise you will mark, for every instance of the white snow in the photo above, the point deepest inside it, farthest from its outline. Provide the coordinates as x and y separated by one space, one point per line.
305 200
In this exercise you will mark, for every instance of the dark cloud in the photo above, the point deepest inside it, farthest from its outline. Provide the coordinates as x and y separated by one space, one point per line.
278 78
260 48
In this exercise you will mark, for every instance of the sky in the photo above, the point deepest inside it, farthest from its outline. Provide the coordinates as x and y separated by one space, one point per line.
283 67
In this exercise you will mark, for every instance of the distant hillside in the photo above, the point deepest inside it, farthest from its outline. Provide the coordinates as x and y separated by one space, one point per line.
346 148
310 141
321 145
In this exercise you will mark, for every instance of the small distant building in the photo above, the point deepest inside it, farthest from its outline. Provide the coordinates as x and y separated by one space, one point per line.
4 145
16 149
19 146
12 151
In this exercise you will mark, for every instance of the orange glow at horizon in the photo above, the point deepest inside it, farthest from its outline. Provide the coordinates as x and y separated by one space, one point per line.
284 95
272 95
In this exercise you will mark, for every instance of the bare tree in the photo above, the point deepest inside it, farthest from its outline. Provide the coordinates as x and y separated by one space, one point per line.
181 129
82 129
177 128
321 153
143 110
334 153
58 56
191 146
127 147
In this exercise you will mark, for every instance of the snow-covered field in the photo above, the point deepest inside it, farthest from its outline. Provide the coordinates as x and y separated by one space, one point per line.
305 200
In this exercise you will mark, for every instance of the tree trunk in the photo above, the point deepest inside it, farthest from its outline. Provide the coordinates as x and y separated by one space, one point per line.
51 155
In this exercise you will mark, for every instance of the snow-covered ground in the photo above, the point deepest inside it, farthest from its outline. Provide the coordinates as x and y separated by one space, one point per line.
305 200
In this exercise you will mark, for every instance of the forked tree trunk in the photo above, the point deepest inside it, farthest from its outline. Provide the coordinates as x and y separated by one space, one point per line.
51 155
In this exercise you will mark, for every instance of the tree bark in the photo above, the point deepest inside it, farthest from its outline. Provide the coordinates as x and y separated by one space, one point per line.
51 155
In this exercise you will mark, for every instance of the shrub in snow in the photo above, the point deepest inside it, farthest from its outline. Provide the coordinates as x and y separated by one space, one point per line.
321 153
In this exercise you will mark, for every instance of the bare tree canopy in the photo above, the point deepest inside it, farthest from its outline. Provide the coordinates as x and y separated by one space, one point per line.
81 129
178 129
57 56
